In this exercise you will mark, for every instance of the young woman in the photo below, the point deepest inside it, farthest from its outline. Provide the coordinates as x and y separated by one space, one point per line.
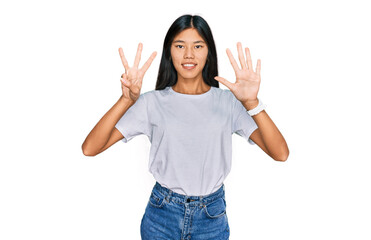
189 121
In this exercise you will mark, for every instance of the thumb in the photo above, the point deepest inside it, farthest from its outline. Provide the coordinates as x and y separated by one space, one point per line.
124 81
224 81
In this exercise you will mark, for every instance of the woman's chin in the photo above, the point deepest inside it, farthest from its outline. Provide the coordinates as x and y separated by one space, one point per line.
189 75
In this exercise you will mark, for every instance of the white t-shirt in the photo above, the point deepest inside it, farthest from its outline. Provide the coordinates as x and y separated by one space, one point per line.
190 135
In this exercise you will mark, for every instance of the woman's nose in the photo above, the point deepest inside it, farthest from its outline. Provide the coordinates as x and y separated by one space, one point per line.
188 53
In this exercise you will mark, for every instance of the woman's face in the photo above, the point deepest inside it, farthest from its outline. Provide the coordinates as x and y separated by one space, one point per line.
189 53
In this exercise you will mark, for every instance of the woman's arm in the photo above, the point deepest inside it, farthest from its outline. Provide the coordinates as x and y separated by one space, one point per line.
267 136
246 89
99 136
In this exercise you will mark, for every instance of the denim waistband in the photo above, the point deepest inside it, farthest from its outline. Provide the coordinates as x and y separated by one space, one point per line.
191 200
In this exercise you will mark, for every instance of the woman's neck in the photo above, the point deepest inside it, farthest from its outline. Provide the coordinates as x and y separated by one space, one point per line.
191 86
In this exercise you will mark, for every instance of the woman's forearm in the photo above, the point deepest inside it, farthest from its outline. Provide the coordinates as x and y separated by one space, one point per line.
272 137
99 136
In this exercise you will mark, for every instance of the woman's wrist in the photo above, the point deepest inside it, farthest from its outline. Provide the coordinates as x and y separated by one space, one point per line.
126 101
250 104
254 109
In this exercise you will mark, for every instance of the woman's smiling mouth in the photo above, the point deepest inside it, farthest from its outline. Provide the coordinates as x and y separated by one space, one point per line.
189 66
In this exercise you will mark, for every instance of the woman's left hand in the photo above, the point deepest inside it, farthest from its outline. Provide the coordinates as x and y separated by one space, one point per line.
247 82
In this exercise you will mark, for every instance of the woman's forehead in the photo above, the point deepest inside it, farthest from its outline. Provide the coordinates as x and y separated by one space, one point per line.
190 35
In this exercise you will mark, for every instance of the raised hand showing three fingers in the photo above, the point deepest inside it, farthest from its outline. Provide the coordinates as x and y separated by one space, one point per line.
247 82
131 80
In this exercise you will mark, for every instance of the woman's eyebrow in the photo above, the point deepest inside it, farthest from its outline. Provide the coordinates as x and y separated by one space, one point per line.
199 41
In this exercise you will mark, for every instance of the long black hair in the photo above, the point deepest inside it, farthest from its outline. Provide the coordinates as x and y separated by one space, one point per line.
167 74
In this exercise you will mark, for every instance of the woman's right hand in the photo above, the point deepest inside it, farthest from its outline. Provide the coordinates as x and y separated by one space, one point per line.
131 80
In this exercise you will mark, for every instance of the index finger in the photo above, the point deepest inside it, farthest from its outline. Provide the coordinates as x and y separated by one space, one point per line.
123 60
231 59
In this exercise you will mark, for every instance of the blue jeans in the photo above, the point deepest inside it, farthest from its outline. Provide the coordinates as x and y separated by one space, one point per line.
173 216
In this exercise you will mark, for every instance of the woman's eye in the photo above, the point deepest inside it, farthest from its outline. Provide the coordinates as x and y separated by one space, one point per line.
181 46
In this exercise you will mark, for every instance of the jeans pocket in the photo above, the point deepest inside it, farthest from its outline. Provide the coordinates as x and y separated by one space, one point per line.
157 199
216 208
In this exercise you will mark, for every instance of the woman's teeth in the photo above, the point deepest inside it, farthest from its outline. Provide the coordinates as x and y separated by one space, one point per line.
189 66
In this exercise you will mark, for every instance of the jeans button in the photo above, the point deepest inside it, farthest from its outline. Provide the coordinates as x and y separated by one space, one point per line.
188 200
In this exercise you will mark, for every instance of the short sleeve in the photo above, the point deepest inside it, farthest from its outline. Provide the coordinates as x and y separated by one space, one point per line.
242 123
135 121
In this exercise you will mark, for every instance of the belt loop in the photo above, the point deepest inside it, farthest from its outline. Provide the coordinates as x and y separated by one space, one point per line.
168 195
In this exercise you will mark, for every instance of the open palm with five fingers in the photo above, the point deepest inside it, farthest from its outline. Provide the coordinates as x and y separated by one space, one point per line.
131 80
247 82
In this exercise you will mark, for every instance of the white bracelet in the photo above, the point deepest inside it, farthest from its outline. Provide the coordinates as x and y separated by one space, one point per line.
257 109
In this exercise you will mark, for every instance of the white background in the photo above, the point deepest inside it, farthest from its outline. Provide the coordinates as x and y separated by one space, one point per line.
60 71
